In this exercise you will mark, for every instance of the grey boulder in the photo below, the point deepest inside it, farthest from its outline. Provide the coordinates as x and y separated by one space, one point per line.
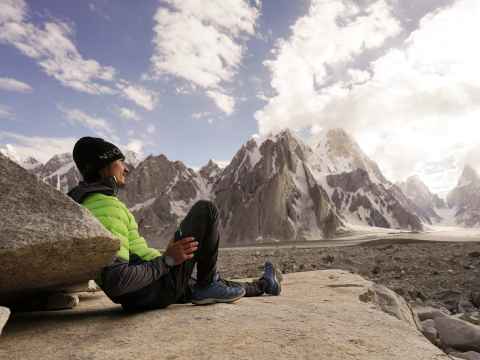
458 334
46 239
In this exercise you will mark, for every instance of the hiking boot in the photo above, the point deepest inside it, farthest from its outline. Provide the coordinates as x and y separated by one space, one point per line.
216 292
273 278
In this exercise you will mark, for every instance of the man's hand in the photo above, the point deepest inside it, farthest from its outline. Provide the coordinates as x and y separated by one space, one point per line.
182 250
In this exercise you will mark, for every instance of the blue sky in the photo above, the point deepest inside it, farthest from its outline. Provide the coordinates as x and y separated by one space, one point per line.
196 81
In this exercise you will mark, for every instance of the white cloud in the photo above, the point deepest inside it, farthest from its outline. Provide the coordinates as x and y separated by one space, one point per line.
301 64
135 145
417 106
128 114
9 84
224 102
141 96
53 49
97 124
5 112
41 148
202 44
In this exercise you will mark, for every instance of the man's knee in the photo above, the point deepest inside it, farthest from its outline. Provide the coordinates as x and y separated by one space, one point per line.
207 207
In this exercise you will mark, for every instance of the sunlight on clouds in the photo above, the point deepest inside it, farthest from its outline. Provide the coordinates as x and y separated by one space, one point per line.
417 105
203 44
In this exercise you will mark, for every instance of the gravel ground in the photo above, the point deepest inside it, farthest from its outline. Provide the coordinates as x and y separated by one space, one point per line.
439 274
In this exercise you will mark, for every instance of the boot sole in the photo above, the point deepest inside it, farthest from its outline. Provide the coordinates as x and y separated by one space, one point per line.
209 301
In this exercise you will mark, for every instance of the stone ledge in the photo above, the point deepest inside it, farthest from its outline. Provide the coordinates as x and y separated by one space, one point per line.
319 316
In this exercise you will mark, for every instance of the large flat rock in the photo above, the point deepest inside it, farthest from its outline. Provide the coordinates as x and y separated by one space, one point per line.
319 316
46 239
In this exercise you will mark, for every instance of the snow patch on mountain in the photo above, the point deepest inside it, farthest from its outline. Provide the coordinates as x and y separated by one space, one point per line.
142 205
132 158
63 170
30 164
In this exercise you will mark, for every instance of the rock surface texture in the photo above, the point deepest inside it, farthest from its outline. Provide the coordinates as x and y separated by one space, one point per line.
318 316
46 239
268 192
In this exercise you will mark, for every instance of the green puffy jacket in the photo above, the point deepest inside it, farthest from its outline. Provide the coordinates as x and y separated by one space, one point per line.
116 217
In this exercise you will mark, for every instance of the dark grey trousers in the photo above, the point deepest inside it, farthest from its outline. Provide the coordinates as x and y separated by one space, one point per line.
175 287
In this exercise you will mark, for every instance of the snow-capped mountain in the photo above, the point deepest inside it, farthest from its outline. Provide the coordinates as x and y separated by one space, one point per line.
357 187
160 192
464 199
274 189
30 164
60 171
132 159
362 201
420 194
337 152
268 192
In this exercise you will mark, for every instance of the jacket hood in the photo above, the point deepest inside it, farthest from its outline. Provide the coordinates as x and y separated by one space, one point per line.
107 186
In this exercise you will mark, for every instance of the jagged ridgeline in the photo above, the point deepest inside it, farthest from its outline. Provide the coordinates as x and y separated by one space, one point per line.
280 189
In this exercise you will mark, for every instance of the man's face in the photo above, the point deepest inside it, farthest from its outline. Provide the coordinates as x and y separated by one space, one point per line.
117 169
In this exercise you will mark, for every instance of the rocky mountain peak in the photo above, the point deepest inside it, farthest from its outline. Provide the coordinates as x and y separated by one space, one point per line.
30 163
261 160
336 152
421 196
416 185
132 158
465 198
59 160
337 136
469 176
157 176
210 171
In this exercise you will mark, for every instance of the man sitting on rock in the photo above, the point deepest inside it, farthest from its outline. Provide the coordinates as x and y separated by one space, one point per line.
140 277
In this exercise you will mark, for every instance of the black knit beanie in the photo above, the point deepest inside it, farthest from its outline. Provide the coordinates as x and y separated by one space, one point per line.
92 154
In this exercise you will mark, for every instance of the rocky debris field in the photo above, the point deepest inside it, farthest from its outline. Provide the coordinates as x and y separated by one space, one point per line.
428 273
